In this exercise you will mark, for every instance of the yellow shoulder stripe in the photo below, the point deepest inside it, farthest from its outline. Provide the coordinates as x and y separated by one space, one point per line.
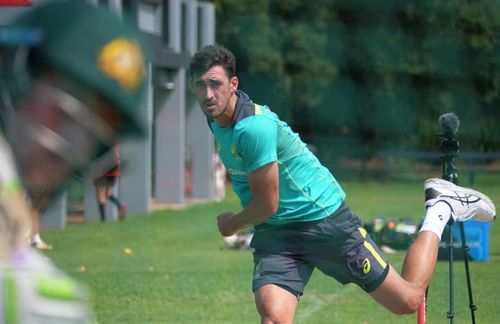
258 110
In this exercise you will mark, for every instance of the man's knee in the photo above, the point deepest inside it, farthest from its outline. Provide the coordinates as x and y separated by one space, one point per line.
275 304
275 315
405 306
399 296
273 319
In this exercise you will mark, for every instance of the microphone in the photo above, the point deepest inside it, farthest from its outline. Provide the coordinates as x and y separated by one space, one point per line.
449 123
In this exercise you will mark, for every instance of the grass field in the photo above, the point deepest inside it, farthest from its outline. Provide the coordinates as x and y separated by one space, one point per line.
178 271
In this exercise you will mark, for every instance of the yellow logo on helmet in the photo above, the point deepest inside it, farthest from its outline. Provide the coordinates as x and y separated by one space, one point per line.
122 60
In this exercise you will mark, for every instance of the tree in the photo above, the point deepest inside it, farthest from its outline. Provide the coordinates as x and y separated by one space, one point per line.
376 73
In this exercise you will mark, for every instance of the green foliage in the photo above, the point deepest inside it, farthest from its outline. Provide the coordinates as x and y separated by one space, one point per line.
379 72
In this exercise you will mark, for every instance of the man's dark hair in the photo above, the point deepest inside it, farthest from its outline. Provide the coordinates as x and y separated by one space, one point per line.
212 55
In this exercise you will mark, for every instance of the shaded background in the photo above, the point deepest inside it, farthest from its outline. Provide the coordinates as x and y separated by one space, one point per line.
365 81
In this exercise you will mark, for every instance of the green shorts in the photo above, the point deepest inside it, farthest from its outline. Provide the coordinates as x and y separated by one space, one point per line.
338 245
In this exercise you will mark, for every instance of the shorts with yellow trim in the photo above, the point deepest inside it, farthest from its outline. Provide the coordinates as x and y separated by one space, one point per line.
338 246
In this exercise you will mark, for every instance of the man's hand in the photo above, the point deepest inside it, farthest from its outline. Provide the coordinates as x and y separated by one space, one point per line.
227 224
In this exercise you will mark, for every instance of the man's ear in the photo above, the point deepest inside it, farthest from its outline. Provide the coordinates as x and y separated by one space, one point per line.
234 83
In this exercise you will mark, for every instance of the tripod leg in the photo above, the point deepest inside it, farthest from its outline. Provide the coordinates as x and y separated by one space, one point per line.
451 313
465 249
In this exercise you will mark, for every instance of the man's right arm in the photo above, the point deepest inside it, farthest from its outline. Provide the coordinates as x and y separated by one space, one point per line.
264 185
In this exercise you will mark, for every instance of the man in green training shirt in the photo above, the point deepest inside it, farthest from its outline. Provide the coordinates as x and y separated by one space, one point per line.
297 206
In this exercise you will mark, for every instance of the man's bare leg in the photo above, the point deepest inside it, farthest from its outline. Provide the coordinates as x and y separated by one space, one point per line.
275 304
404 294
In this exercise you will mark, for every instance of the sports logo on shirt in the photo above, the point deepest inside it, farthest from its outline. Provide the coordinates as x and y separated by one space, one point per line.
236 172
234 149
235 154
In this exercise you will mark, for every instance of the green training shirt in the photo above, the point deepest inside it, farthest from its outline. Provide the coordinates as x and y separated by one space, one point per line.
307 190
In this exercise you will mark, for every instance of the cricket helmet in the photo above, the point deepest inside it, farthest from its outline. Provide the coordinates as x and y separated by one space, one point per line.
90 45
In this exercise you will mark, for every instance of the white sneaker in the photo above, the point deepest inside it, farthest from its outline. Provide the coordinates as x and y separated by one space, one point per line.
465 203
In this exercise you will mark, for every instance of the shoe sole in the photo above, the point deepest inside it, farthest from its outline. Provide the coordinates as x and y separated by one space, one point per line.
441 183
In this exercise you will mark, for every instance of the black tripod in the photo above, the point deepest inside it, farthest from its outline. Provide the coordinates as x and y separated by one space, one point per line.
449 147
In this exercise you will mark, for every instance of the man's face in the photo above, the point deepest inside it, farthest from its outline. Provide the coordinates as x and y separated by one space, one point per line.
215 92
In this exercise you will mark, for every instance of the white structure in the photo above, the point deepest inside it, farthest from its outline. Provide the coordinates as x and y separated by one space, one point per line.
155 165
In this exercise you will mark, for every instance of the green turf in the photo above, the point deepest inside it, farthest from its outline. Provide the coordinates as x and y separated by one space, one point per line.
178 271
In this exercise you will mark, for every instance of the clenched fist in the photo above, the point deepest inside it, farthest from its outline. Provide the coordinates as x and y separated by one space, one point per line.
227 224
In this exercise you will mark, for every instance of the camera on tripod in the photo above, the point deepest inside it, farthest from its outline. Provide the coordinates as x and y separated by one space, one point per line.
449 123
449 145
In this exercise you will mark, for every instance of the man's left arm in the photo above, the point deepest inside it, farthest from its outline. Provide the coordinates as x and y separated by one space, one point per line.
264 185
